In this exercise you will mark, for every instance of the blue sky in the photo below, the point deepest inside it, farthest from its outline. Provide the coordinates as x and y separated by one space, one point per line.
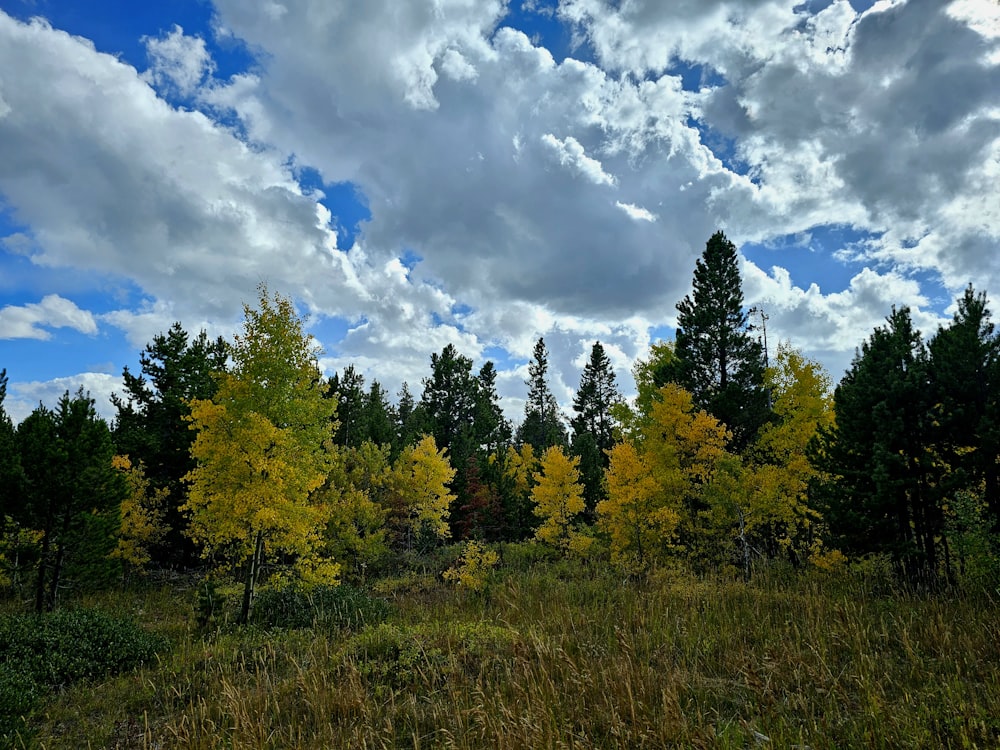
483 174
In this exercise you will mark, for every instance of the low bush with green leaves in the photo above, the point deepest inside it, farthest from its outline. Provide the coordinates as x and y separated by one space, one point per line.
54 650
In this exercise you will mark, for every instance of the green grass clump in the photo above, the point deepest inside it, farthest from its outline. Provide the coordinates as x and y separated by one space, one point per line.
327 607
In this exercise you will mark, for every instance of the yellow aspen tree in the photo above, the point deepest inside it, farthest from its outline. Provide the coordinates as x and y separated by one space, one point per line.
558 497
780 472
356 492
637 515
423 501
141 517
684 446
263 446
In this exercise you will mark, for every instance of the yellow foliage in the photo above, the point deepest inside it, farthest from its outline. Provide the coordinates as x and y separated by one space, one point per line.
473 567
780 473
637 515
828 560
141 515
521 467
264 447
558 497
356 492
421 477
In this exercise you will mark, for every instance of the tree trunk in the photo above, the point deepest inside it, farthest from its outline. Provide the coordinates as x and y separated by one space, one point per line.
249 585
43 563
56 573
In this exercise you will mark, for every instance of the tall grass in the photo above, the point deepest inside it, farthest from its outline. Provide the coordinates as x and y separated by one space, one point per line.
557 657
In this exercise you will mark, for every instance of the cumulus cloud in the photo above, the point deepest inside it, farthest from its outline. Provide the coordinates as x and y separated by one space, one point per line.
30 321
177 61
560 198
23 397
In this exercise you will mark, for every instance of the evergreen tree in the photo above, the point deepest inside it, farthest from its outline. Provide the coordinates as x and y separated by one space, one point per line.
410 420
349 390
542 427
72 492
151 426
493 431
718 360
379 416
965 382
878 496
11 475
594 425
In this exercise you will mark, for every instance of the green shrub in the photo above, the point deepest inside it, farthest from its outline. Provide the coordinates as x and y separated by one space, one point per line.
329 607
62 647
18 694
53 650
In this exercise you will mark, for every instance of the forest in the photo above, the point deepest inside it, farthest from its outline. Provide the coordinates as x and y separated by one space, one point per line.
745 554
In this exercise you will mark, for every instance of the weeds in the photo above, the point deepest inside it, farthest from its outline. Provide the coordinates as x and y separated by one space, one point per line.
586 661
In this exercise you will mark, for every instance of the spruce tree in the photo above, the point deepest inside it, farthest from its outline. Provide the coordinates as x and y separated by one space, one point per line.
718 360
11 475
151 426
878 494
593 426
542 427
965 381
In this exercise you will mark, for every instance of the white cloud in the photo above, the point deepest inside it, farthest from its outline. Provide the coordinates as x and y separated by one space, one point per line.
479 153
30 321
22 398
636 212
177 61
571 154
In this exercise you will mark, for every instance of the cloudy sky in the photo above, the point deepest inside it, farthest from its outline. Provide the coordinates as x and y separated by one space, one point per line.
483 173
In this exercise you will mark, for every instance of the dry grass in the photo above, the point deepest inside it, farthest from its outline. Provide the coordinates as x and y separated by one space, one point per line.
557 658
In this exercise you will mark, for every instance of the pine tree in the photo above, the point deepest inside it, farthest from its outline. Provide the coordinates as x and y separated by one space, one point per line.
379 416
151 426
594 425
349 390
965 382
878 496
11 474
542 427
72 493
718 360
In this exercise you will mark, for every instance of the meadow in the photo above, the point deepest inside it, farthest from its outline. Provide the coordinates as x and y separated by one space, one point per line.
554 654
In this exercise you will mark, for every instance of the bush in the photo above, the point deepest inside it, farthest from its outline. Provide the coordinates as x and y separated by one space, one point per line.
56 649
332 607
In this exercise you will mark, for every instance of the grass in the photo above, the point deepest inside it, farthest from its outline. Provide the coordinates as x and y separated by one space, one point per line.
562 657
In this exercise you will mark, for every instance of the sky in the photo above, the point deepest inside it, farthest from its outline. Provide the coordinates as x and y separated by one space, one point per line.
484 173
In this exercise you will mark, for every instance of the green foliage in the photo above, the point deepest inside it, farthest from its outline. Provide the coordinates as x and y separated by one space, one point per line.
717 359
72 493
151 424
523 556
968 527
877 495
210 603
543 426
325 607
39 653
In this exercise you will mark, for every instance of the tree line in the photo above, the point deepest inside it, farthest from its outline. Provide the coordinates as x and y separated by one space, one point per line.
242 457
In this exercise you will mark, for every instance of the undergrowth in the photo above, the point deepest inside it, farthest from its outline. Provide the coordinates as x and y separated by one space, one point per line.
571 656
